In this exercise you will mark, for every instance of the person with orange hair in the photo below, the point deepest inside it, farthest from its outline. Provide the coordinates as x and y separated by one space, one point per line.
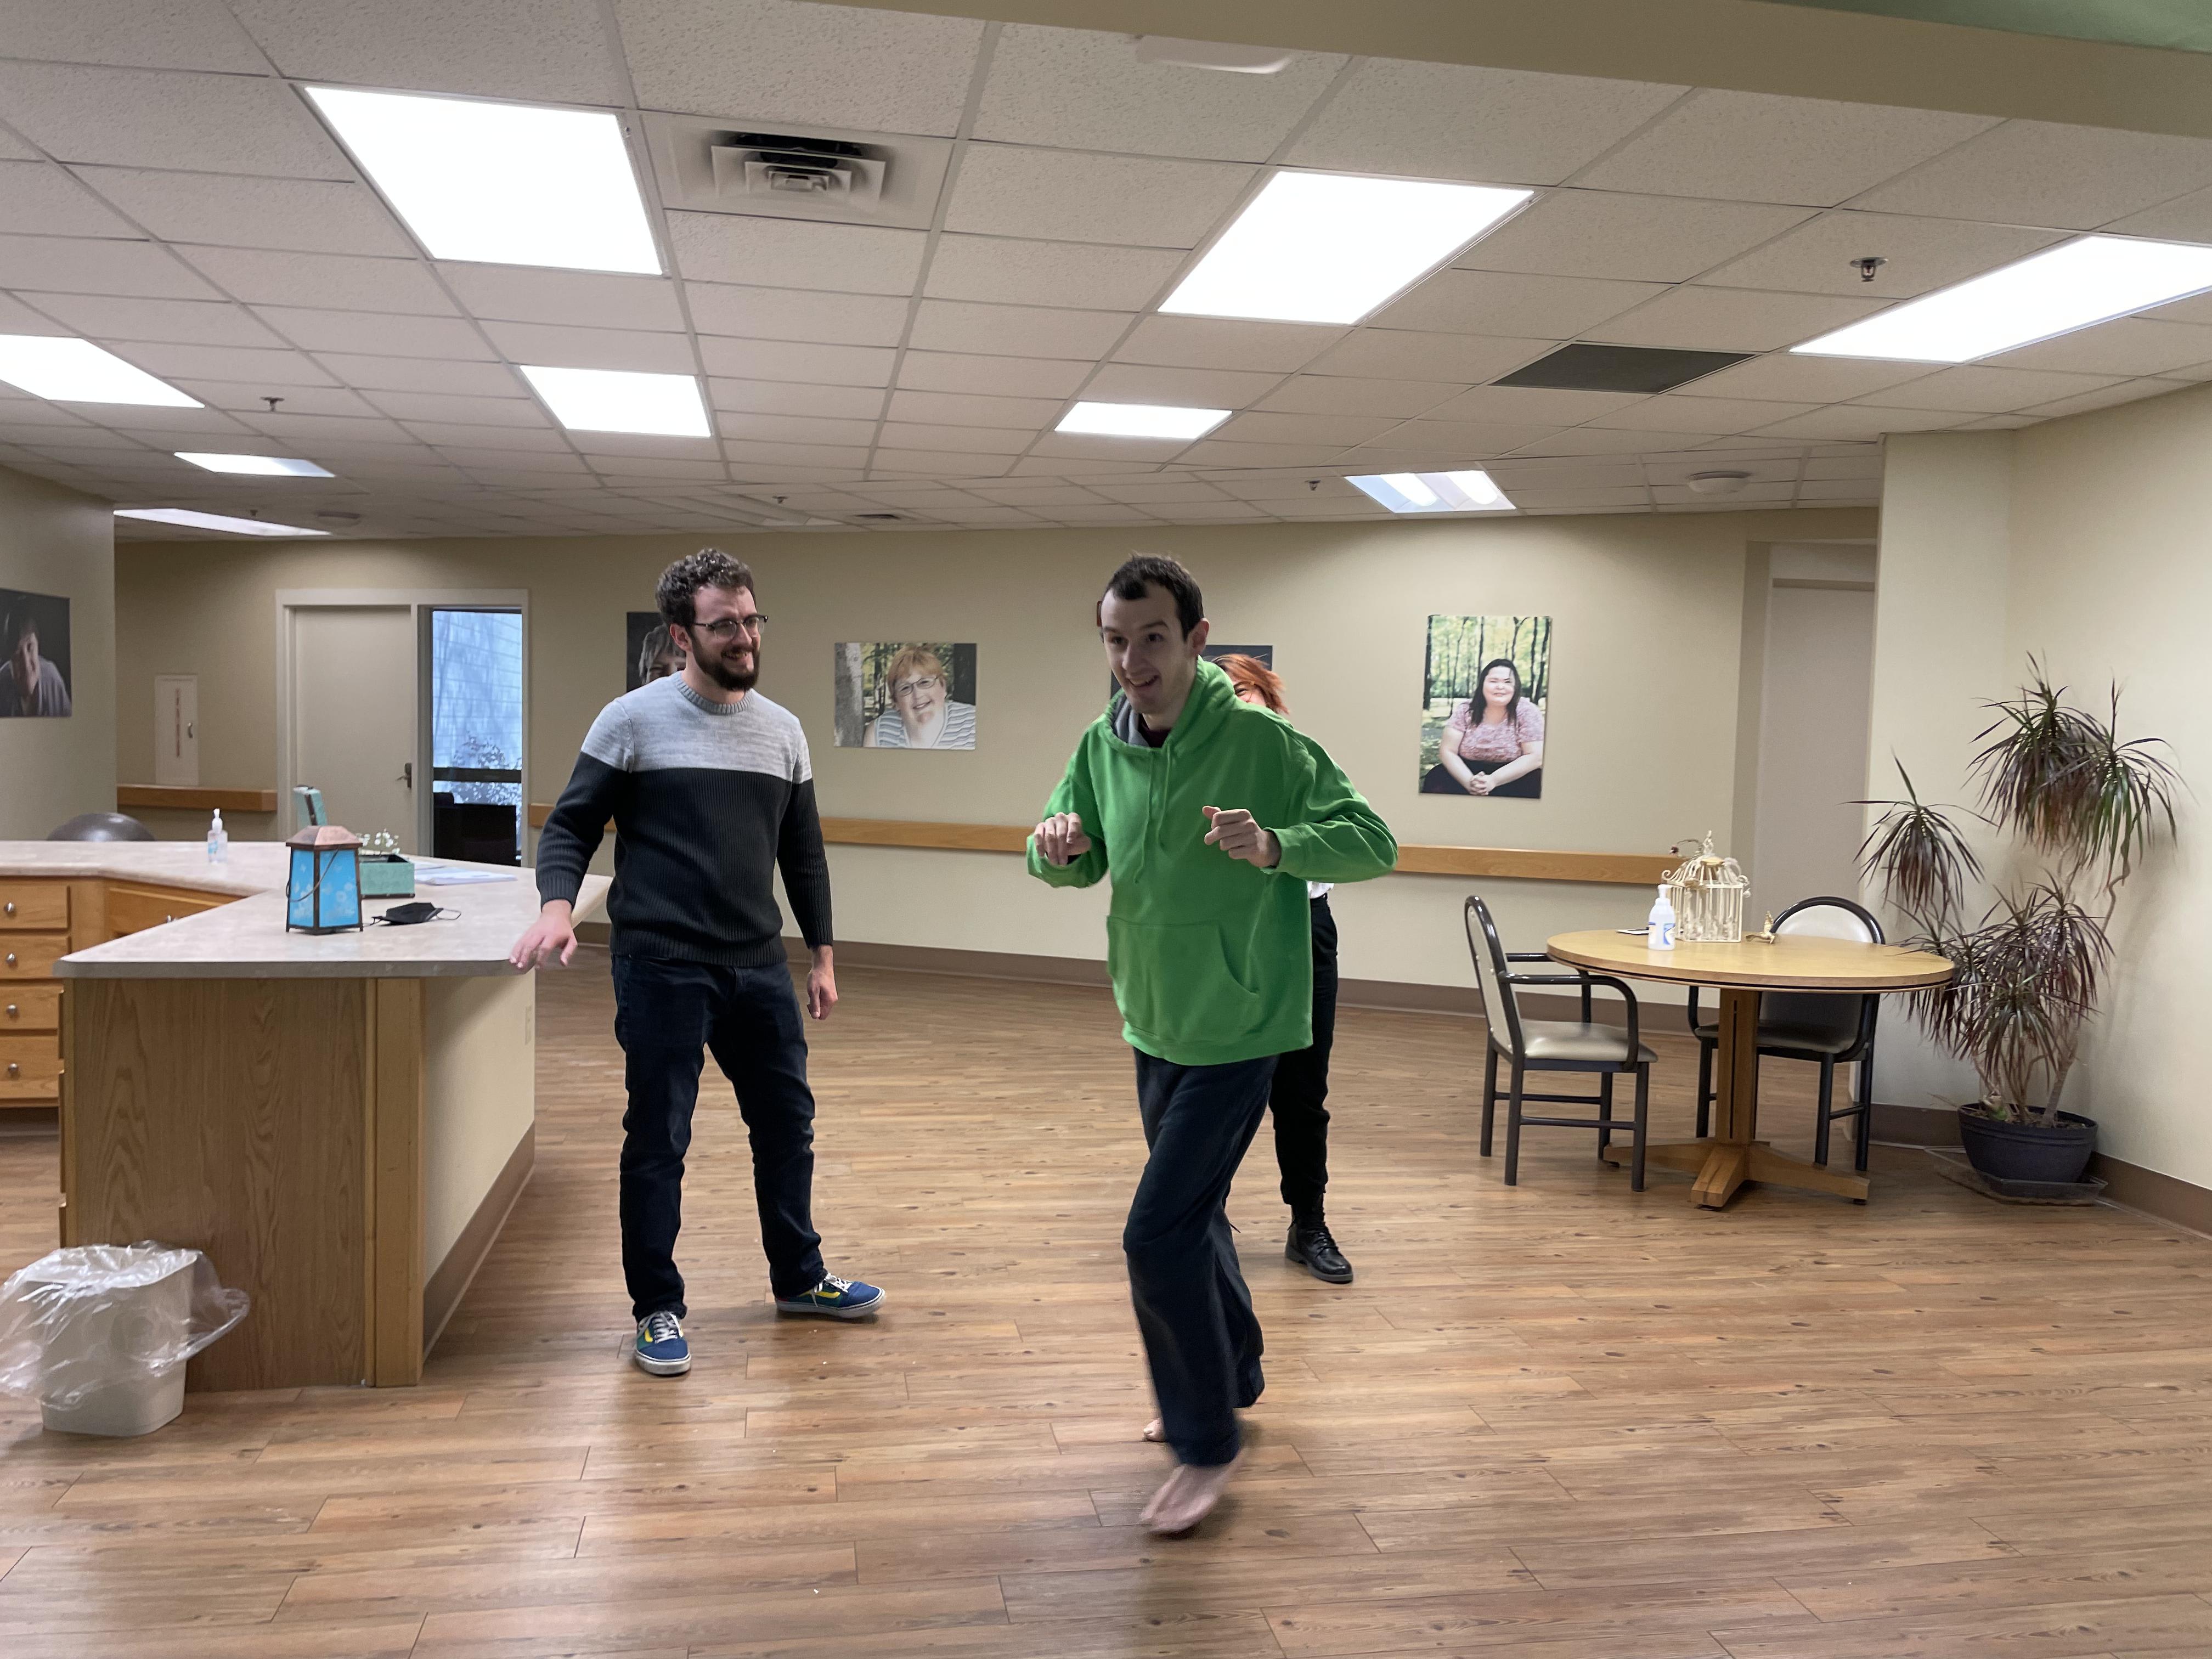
1298 1098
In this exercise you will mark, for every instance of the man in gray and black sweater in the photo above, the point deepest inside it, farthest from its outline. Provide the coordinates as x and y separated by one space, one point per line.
710 789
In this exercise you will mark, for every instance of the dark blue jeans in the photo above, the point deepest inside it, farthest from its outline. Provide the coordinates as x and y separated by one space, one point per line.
667 1015
1201 1337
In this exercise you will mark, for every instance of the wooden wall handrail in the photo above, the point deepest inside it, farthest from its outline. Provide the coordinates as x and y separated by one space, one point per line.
195 799
1514 863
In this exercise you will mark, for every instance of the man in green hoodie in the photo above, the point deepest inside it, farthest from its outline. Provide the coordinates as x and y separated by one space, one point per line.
1212 816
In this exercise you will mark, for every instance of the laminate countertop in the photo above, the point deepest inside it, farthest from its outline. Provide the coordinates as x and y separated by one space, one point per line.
247 938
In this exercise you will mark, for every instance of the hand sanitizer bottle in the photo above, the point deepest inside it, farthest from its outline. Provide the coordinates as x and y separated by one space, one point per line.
1661 936
218 841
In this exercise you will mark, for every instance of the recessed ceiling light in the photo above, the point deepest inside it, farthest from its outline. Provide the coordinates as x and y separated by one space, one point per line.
1471 491
260 466
214 521
2062 288
1140 421
1330 247
505 183
69 371
621 400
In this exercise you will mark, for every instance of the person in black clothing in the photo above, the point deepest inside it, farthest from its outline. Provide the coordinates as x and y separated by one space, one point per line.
710 788
1298 1096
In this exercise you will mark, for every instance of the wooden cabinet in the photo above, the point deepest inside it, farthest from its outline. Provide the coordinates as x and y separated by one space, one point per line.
132 909
34 907
30 1008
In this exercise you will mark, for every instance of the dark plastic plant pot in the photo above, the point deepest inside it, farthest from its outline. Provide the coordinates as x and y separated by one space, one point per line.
2021 1151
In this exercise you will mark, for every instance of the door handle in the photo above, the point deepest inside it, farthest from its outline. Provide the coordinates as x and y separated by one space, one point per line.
407 774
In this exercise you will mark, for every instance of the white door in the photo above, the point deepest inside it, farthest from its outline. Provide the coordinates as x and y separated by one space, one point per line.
353 715
1812 744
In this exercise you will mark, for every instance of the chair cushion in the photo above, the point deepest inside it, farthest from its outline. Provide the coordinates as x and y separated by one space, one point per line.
1807 1039
1560 1039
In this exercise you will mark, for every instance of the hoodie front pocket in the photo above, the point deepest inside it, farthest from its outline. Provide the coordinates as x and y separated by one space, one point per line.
1174 979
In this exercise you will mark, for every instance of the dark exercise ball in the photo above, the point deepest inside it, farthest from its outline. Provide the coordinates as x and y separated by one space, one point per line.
102 826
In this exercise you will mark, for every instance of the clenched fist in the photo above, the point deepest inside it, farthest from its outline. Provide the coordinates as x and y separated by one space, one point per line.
1238 834
1060 838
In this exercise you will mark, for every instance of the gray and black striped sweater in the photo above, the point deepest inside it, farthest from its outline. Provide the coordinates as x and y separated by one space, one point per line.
706 798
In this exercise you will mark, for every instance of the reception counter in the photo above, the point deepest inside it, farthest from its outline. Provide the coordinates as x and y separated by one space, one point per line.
341 1121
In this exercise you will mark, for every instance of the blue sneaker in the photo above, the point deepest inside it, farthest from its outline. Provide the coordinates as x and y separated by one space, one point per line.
660 1347
835 1297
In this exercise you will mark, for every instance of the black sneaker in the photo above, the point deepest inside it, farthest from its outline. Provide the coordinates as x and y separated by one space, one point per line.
1312 1247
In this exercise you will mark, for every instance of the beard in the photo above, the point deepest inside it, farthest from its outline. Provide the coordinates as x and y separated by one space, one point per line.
718 669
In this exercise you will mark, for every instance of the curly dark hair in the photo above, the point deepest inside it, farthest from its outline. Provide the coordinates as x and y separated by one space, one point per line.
1156 570
677 593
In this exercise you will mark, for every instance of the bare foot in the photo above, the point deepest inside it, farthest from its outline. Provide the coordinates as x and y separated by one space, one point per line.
1156 1431
1187 1498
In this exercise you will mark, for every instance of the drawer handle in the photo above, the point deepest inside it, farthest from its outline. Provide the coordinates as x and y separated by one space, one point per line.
13 1011
9 909
11 959
14 1070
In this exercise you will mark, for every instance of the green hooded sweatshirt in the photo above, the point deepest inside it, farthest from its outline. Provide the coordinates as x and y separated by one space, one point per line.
1212 957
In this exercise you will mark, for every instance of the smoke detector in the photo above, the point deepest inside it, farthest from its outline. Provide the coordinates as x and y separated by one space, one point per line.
1718 483
710 166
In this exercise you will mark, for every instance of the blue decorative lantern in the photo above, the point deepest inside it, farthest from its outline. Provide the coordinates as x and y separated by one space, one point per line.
323 893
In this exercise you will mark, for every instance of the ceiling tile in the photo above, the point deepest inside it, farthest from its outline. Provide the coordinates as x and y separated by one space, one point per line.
463 380
1343 394
1206 512
594 299
1513 303
85 266
38 196
724 248
137 118
1617 495
794 429
1066 196
2127 345
768 60
1988 391
1920 253
1765 469
1223 451
1015 331
1040 497
1757 147
1172 491
842 457
1090 274
1217 343
1828 491
783 360
314 429
646 445
796 398
963 409
278 368
961 440
790 313
1673 413
180 34
1195 388
1864 421
1085 89
545 344
454 439
1774 493
1340 430
1866 463
312 215
197 322
1587 233
1490 125
261 277
994 377
2184 219
1046 467
1785 377
1732 319
253 395
1600 441
1088 446
493 446
2037 173
379 334
2123 392
16 317
1531 405
1460 437
556 49
1403 354
463 411
1104 513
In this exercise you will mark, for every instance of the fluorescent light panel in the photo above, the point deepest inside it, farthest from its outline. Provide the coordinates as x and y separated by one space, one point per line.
504 183
192 520
2091 280
1471 491
621 400
67 371
1140 421
1331 247
259 466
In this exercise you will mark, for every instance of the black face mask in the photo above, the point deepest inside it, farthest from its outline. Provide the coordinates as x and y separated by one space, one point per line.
401 915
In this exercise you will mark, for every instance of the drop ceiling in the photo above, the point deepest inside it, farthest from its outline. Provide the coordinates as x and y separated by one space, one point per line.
166 192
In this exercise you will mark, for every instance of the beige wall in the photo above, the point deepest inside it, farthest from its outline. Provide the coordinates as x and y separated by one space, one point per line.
53 540
1642 714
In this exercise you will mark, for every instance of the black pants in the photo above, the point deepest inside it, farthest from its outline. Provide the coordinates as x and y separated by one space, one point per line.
666 1013
1201 1337
1529 786
1301 1086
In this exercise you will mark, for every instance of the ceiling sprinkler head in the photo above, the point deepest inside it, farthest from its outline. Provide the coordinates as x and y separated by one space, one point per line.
1718 483
1867 264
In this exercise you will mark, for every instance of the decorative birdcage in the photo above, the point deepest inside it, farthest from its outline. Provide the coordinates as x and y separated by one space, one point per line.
1707 892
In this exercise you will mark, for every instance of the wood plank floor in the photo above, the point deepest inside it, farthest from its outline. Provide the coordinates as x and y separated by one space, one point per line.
1562 1420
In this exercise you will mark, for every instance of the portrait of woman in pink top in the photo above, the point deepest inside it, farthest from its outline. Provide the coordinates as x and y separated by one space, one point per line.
1492 745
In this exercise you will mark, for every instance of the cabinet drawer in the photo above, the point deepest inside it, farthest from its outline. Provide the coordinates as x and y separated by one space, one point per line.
31 956
30 1008
39 906
133 909
30 1067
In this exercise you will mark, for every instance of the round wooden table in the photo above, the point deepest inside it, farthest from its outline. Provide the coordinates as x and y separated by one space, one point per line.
1733 1154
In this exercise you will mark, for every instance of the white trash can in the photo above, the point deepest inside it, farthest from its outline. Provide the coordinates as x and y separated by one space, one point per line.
99 1333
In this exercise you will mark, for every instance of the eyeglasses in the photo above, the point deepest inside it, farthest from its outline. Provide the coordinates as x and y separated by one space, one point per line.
907 688
730 626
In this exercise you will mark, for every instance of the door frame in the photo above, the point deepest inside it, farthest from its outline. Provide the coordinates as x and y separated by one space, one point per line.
419 602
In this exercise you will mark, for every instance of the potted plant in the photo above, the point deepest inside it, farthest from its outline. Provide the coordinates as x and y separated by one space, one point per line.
2081 807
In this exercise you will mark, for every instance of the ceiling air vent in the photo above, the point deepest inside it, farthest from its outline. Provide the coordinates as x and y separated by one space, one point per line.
1619 368
767 163
796 172
879 518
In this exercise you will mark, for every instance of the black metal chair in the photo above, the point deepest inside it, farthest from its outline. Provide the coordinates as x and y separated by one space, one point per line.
1545 1045
1828 1029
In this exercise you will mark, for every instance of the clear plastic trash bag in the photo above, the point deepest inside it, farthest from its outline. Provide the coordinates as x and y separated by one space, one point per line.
84 1321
